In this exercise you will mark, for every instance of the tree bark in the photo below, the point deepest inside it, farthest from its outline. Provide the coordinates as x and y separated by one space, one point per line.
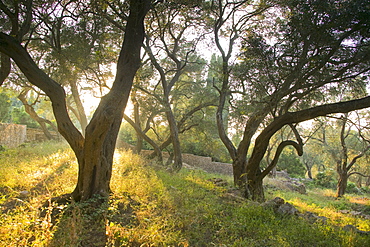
255 190
239 172
177 156
342 183
5 67
95 166
359 182
80 109
139 138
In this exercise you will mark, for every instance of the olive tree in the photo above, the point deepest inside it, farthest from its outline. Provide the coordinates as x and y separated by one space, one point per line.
293 56
94 151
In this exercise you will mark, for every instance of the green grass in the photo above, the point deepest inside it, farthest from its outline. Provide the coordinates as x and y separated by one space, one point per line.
324 203
151 207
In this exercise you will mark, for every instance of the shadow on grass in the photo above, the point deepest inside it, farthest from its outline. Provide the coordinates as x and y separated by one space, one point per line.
72 224
78 224
24 196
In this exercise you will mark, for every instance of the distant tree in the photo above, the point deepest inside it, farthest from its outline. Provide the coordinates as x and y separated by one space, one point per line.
172 55
172 94
150 124
43 122
346 164
346 143
310 159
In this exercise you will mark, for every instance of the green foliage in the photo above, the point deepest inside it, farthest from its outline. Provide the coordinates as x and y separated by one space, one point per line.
325 180
19 116
365 189
352 188
200 142
12 110
290 162
82 224
4 106
127 134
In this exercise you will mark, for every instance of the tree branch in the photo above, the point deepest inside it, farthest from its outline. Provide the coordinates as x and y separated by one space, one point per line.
358 173
278 152
263 139
137 128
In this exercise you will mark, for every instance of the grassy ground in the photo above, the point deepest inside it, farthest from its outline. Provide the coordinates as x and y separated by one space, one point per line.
151 207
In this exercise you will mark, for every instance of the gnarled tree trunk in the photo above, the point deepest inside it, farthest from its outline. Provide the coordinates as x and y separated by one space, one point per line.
95 162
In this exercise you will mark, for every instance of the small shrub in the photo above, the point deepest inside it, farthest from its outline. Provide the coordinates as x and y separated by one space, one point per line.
365 189
352 188
325 180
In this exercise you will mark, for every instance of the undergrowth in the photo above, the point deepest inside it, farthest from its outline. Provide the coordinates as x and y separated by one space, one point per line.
152 207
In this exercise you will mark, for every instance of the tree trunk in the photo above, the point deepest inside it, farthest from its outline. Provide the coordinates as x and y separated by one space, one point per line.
342 183
250 184
309 173
239 172
95 166
139 138
309 170
5 67
177 159
359 182
82 119
169 160
367 182
95 162
255 190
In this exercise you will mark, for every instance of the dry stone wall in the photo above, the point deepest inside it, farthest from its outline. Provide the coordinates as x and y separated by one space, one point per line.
37 135
195 161
12 135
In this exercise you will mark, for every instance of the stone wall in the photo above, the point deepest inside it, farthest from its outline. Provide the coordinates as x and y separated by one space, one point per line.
195 160
37 135
201 162
12 135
